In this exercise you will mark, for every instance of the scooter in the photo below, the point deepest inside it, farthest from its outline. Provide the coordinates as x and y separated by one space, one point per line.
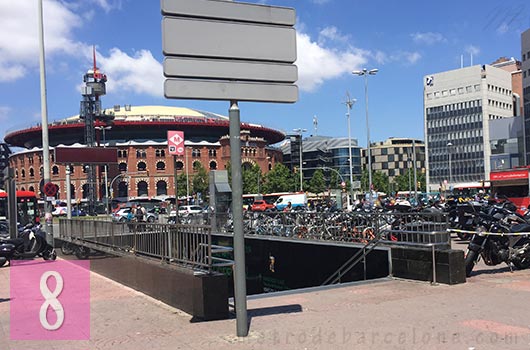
30 243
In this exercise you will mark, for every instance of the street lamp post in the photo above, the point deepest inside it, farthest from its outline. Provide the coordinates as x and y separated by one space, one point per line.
449 146
349 104
103 128
365 72
300 131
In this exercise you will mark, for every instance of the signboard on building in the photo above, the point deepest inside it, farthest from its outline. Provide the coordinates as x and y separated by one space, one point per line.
230 51
509 175
86 155
175 142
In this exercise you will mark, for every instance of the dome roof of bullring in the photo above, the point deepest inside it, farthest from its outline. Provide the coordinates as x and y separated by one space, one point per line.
137 123
154 113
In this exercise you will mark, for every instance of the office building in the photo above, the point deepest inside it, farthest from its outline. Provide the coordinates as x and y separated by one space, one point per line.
459 106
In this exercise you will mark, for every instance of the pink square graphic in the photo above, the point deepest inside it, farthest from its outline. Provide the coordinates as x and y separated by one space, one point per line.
50 300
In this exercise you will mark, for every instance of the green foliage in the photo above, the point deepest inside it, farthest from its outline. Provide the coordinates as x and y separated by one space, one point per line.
200 180
181 184
379 181
402 181
251 177
317 184
279 179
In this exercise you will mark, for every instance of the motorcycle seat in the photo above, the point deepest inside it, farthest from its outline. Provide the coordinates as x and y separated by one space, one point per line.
520 228
15 242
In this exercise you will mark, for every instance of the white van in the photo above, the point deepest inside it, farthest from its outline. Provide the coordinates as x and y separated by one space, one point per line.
296 199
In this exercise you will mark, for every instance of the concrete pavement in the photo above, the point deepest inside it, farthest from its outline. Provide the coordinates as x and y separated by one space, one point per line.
490 311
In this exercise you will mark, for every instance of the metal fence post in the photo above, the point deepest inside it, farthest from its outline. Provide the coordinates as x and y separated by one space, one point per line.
433 265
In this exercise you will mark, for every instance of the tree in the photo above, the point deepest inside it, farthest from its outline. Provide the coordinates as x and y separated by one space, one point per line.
317 184
251 176
334 180
279 179
200 180
402 181
379 181
181 184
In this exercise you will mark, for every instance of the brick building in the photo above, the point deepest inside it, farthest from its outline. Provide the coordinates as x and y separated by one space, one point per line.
140 136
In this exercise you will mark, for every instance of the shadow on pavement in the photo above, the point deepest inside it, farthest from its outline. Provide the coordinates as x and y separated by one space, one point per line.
491 271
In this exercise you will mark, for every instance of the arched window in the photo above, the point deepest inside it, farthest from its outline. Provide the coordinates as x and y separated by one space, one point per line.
161 188
85 190
246 166
31 172
196 153
142 188
72 191
123 189
160 165
32 189
142 166
179 165
55 170
196 165
23 173
213 165
122 167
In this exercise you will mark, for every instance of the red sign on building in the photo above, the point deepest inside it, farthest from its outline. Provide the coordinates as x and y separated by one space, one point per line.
175 142
509 175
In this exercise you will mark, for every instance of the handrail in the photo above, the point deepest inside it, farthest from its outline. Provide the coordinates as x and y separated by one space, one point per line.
352 262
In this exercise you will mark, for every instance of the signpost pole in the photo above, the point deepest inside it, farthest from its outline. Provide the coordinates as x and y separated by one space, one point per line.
240 283
69 193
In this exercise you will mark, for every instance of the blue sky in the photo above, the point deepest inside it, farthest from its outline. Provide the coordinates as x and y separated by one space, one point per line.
405 40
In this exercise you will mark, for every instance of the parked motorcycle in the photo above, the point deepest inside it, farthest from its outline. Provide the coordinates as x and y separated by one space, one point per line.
30 243
501 236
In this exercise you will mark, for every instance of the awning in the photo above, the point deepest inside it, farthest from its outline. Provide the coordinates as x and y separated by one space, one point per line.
223 187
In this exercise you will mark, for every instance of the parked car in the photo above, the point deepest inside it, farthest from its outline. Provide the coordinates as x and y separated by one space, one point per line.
59 211
187 209
78 212
261 205
121 215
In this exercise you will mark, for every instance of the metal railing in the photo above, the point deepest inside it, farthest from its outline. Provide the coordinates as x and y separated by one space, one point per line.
361 227
187 245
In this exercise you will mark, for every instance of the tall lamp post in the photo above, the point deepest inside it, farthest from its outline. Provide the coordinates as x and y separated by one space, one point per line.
103 128
449 146
365 72
349 104
299 131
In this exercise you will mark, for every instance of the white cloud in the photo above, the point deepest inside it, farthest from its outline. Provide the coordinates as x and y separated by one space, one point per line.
473 50
503 28
4 113
332 34
406 57
140 73
19 43
316 64
428 38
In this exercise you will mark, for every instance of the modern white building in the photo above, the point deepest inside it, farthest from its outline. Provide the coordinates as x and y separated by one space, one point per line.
459 106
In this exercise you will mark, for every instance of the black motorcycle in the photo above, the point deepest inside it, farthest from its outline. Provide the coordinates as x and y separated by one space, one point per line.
30 243
501 236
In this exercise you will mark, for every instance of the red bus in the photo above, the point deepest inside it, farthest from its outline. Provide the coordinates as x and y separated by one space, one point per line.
512 184
27 210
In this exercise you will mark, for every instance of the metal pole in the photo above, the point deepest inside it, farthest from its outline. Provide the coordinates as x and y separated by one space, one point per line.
240 283
415 170
44 121
68 193
368 137
106 178
176 190
301 172
349 151
187 176
450 167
